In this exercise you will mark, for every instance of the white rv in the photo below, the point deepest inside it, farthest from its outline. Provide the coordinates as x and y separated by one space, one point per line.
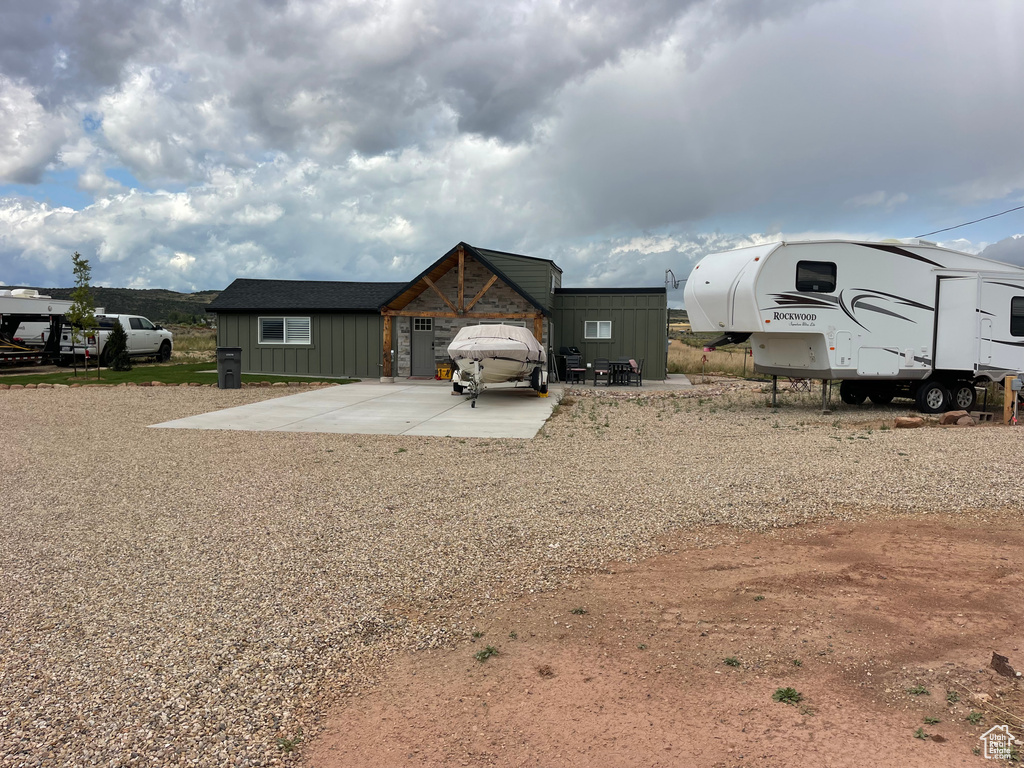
890 319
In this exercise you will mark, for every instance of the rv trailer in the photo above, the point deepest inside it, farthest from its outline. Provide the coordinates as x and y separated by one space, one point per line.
891 319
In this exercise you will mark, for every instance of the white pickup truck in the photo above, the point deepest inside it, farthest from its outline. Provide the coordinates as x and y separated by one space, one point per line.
145 339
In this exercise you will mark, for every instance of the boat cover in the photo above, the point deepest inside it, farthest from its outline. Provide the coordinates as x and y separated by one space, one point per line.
510 342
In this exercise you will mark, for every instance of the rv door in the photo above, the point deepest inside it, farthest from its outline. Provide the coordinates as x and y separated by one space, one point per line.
957 329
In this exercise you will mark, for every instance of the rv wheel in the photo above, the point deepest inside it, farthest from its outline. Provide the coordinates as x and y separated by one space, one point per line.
932 397
964 395
851 393
882 396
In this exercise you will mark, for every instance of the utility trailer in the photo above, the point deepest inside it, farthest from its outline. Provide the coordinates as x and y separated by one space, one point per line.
890 319
21 307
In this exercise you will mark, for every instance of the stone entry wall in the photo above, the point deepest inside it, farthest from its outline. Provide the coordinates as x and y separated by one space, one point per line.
499 298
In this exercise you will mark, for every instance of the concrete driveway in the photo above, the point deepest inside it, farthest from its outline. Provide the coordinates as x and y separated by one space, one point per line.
370 408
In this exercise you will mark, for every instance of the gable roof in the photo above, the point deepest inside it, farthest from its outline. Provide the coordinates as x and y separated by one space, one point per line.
248 295
411 290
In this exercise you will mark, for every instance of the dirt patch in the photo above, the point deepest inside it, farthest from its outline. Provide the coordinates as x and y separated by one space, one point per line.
884 629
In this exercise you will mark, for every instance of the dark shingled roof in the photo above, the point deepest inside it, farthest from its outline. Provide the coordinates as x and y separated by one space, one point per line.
246 295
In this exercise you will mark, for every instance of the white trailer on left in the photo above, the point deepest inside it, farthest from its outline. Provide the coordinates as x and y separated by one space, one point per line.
30 325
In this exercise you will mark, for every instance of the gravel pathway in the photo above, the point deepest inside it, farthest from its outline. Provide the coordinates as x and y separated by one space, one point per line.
199 598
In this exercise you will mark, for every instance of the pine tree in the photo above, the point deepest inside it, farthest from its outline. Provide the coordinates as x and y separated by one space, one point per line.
116 349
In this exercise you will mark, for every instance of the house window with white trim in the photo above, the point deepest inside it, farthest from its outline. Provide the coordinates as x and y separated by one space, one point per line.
597 329
285 330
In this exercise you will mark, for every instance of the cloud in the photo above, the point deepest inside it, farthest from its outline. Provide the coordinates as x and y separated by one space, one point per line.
878 199
1009 250
359 140
29 136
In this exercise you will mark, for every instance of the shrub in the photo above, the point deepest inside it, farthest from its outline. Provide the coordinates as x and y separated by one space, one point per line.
116 349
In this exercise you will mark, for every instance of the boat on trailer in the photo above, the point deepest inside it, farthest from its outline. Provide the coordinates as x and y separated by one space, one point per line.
494 354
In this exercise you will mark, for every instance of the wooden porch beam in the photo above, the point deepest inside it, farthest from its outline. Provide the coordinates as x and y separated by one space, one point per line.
437 290
462 279
538 328
386 368
487 285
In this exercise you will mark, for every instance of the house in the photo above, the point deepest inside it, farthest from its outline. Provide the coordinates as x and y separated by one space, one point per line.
366 330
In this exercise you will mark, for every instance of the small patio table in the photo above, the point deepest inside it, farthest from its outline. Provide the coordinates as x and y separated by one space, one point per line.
619 371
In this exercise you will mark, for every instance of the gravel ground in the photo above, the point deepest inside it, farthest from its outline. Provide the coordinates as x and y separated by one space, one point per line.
172 597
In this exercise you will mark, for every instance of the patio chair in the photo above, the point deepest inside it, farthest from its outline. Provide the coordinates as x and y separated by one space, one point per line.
602 368
575 370
636 372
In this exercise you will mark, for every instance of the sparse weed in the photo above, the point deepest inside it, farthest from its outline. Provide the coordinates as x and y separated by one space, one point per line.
974 718
513 635
288 745
931 721
579 611
486 653
797 663
787 696
731 661
920 734
952 697
477 635
758 598
919 690
642 646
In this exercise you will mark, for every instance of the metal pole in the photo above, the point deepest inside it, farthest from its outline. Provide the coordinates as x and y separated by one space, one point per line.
775 391
824 396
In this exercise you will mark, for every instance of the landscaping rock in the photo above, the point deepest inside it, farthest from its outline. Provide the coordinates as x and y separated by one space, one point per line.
30 386
158 384
965 421
951 417
44 385
279 384
909 422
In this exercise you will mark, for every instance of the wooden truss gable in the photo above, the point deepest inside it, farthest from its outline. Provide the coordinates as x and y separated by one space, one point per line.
458 305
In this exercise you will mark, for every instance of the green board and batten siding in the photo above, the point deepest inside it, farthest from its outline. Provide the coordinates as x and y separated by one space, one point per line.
638 325
344 345
534 276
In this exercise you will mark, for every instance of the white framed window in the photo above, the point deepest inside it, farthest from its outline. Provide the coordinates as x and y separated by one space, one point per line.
422 324
597 329
285 330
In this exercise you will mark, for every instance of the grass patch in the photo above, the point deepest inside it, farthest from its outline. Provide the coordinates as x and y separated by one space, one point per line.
186 373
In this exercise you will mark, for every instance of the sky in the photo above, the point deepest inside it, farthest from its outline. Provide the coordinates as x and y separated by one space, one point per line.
181 144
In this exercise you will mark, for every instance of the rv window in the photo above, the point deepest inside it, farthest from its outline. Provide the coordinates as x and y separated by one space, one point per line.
1017 316
815 276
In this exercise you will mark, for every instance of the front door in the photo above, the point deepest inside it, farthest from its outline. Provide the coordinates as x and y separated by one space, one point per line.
422 347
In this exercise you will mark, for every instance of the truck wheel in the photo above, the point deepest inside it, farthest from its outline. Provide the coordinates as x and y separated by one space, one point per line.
851 393
932 397
964 396
165 352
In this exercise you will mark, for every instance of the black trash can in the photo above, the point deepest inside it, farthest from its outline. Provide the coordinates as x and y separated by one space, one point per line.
229 367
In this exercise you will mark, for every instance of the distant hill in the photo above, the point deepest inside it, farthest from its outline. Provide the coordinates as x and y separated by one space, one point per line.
157 304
